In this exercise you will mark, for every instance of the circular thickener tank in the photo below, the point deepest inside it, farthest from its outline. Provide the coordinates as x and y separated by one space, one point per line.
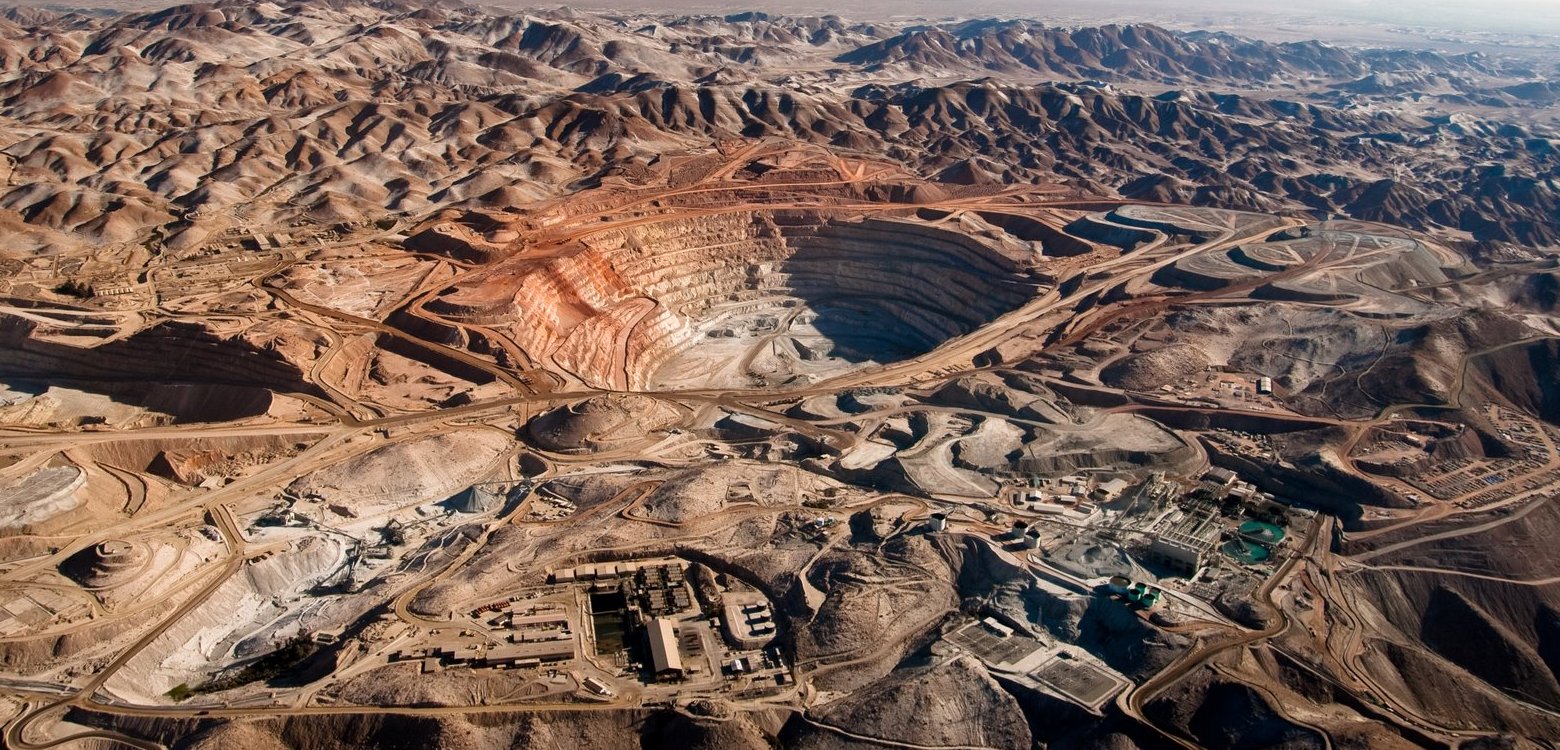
1262 532
1246 552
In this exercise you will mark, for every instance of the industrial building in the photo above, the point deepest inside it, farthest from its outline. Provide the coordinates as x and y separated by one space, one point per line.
1108 491
532 625
528 654
538 635
457 652
610 570
664 655
656 588
1185 546
522 617
1220 477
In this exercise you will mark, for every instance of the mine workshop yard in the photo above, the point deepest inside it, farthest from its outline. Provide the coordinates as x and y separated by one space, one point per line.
721 438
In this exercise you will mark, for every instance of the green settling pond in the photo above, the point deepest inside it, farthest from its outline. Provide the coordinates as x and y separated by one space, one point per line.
609 616
1246 552
1263 532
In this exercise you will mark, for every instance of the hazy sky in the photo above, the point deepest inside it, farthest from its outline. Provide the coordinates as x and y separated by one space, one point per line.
1530 16
1503 15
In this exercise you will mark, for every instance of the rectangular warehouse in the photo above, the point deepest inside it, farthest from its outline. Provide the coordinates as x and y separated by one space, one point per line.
663 649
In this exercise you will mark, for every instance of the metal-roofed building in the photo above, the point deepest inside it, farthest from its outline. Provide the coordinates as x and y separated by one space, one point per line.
663 649
1184 547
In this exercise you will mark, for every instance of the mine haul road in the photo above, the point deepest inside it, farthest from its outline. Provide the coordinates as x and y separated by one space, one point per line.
1132 701
951 359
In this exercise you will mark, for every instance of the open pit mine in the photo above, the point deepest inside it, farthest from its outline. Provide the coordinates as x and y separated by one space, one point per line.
389 376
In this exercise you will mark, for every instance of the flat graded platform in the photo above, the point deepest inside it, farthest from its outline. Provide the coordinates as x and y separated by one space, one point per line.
992 648
1079 681
40 495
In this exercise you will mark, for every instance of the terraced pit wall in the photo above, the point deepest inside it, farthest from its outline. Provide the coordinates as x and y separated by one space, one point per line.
616 305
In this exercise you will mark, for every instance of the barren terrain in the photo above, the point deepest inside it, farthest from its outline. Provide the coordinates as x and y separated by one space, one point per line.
379 374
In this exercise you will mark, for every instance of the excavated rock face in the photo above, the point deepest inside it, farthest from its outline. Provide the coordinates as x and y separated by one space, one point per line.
616 306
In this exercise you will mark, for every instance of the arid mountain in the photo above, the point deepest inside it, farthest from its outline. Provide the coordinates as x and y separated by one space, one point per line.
1115 53
410 374
340 111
